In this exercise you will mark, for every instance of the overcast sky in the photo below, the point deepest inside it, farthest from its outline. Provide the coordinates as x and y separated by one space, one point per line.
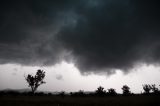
81 44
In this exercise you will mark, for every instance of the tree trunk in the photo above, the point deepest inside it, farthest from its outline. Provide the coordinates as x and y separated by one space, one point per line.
33 91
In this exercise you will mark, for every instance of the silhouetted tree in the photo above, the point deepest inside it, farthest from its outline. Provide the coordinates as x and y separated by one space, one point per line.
35 81
62 94
126 90
100 91
147 88
154 89
81 93
112 91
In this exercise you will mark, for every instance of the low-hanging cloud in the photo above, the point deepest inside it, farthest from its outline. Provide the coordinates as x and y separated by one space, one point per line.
96 35
59 77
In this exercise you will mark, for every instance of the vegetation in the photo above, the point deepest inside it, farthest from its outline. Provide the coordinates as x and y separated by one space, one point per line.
154 89
126 90
98 98
112 92
35 81
147 88
100 91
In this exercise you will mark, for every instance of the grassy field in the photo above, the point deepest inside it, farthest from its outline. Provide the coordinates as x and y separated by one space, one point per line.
79 101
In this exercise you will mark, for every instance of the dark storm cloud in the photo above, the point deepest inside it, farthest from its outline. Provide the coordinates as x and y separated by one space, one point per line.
27 31
94 34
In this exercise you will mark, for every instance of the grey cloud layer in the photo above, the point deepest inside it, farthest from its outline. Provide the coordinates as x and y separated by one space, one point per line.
94 34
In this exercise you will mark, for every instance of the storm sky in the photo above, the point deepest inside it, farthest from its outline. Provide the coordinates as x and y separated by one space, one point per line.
96 36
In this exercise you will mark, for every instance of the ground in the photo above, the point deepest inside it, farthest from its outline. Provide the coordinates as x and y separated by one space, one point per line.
80 101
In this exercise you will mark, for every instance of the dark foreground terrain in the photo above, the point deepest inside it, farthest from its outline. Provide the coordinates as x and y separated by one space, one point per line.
138 100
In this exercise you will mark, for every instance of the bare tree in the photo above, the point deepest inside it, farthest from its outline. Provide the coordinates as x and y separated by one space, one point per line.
35 81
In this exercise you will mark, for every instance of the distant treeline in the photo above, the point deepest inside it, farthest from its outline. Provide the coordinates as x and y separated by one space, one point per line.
100 91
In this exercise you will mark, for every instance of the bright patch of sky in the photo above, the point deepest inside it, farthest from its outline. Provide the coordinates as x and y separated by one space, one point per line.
66 77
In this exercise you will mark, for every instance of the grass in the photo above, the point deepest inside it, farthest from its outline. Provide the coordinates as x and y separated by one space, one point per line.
141 100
